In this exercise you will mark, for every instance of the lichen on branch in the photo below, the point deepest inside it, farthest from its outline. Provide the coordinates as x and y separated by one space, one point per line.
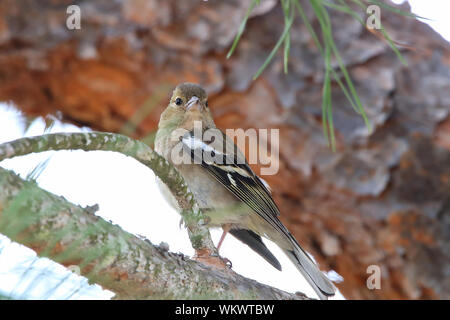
129 266
102 141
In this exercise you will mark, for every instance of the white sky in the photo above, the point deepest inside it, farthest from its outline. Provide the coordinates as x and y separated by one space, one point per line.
437 11
127 195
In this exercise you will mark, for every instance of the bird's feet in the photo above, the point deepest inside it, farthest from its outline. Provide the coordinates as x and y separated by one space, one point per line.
210 259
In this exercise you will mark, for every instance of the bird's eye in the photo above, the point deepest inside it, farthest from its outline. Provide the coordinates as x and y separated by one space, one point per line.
206 104
178 101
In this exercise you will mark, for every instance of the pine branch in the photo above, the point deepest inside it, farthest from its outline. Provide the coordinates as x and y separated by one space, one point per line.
131 267
95 141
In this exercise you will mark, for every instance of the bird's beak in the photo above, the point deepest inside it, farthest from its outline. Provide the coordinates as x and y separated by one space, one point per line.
193 103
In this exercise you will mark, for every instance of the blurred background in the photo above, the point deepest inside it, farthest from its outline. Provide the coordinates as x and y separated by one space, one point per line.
381 199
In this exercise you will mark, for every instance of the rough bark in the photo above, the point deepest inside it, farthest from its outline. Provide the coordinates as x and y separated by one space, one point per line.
131 267
382 199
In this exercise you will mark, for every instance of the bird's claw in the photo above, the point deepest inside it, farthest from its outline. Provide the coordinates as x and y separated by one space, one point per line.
212 259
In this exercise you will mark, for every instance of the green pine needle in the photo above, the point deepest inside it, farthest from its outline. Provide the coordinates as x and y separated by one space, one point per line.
327 48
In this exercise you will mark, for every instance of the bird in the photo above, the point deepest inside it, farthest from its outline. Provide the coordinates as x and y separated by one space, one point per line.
226 189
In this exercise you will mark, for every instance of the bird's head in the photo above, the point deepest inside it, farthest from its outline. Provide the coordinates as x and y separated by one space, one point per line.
189 103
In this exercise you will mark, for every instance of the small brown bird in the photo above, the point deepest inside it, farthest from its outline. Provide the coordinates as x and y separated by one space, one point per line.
224 186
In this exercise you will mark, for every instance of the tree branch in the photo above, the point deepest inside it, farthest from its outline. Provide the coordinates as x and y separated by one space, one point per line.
131 267
102 141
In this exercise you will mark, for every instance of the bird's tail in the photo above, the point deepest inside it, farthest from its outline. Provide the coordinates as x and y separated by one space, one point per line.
319 281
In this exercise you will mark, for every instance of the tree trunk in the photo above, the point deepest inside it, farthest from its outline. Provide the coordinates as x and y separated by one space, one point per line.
381 199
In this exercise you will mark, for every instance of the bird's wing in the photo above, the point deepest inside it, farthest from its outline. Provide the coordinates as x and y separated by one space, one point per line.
223 160
219 155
